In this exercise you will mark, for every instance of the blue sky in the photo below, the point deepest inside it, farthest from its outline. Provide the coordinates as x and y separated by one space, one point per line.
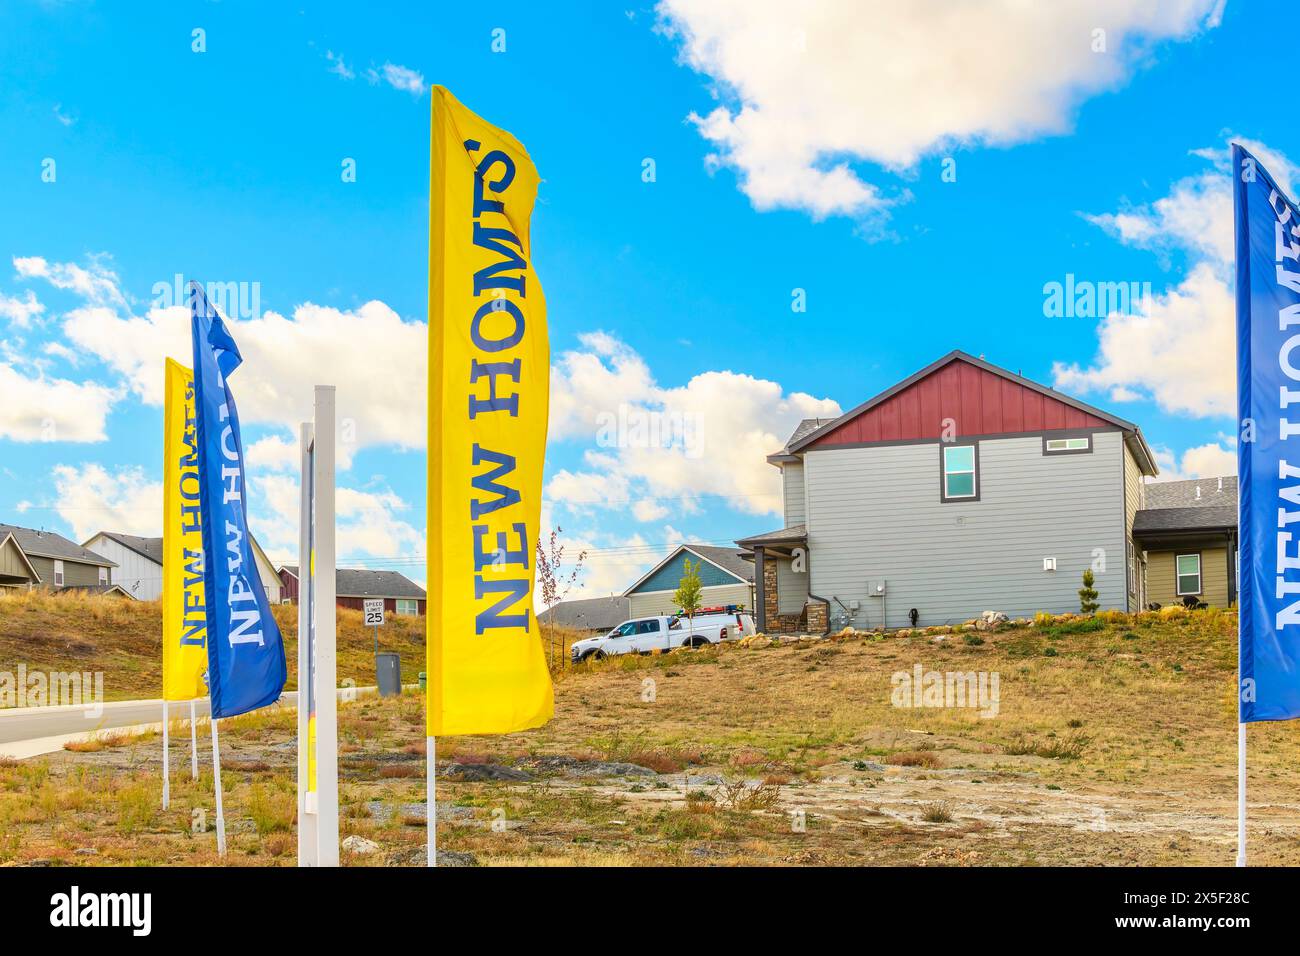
789 152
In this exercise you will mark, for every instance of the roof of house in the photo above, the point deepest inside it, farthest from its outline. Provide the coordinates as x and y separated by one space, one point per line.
99 589
1133 434
791 535
362 582
48 544
151 548
1197 504
595 614
730 560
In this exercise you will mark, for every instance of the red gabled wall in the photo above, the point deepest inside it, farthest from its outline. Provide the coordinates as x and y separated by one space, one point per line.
979 402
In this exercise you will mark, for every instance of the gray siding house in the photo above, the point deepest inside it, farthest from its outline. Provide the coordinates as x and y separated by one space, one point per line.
32 558
962 489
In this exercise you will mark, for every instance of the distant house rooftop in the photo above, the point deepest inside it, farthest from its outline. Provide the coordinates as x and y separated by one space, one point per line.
364 583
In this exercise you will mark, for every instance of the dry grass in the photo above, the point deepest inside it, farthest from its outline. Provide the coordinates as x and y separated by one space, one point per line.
767 742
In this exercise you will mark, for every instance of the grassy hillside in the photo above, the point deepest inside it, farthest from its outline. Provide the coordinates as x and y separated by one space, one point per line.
75 632
1113 744
81 632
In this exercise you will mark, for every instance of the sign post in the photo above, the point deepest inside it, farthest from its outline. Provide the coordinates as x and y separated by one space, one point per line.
374 608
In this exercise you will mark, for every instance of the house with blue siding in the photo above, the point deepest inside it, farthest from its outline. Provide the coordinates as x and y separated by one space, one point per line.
726 577
968 488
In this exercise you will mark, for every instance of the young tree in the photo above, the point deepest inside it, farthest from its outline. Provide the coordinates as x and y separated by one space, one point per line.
555 581
1088 594
689 595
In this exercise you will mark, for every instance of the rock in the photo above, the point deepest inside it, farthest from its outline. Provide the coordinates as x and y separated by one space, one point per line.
86 851
453 858
991 619
481 772
360 845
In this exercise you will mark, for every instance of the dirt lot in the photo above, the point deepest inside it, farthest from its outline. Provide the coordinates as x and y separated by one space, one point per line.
1113 743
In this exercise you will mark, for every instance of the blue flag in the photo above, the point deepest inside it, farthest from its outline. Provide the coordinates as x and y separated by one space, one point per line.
246 667
1268 452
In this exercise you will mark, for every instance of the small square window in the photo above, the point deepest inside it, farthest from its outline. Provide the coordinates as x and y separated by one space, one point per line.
1188 574
960 472
407 606
1057 446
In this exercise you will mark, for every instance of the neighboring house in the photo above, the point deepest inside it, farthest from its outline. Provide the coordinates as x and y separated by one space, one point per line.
726 577
963 488
1189 532
353 585
30 558
597 615
139 564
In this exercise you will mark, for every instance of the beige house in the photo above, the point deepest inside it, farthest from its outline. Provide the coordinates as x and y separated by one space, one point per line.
1186 536
35 558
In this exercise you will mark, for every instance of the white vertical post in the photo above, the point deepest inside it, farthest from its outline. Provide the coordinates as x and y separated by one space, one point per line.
216 785
167 777
324 613
431 797
194 745
1241 794
307 819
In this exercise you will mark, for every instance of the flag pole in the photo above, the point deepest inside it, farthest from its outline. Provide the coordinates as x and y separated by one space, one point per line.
1241 794
430 797
194 745
216 785
167 791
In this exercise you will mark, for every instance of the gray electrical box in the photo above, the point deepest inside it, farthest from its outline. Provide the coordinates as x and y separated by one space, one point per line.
876 588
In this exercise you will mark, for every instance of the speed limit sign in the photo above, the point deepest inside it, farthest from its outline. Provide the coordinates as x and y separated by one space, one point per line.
374 609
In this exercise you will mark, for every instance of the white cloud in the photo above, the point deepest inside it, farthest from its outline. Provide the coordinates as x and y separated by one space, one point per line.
807 88
92 499
337 66
399 78
367 523
52 409
283 359
1211 460
1175 353
1179 354
273 453
98 284
658 450
20 312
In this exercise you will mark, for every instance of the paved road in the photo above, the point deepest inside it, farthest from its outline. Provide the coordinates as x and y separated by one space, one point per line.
30 723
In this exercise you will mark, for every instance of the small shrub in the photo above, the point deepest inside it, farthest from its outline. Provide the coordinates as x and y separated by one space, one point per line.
974 640
940 812
914 758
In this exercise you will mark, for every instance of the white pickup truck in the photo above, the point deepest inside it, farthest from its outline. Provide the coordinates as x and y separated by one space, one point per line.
644 635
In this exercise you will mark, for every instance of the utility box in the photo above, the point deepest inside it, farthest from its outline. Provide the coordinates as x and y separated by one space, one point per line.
388 674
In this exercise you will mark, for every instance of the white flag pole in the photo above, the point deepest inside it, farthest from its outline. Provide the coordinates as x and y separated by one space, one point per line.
194 745
216 785
307 818
1241 794
430 796
167 790
324 614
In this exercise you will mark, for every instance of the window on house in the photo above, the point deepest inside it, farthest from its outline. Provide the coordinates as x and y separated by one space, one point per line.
1189 574
58 573
408 606
960 465
1058 445
103 575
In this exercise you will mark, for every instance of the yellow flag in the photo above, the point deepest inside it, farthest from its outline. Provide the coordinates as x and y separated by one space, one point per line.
489 379
185 649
